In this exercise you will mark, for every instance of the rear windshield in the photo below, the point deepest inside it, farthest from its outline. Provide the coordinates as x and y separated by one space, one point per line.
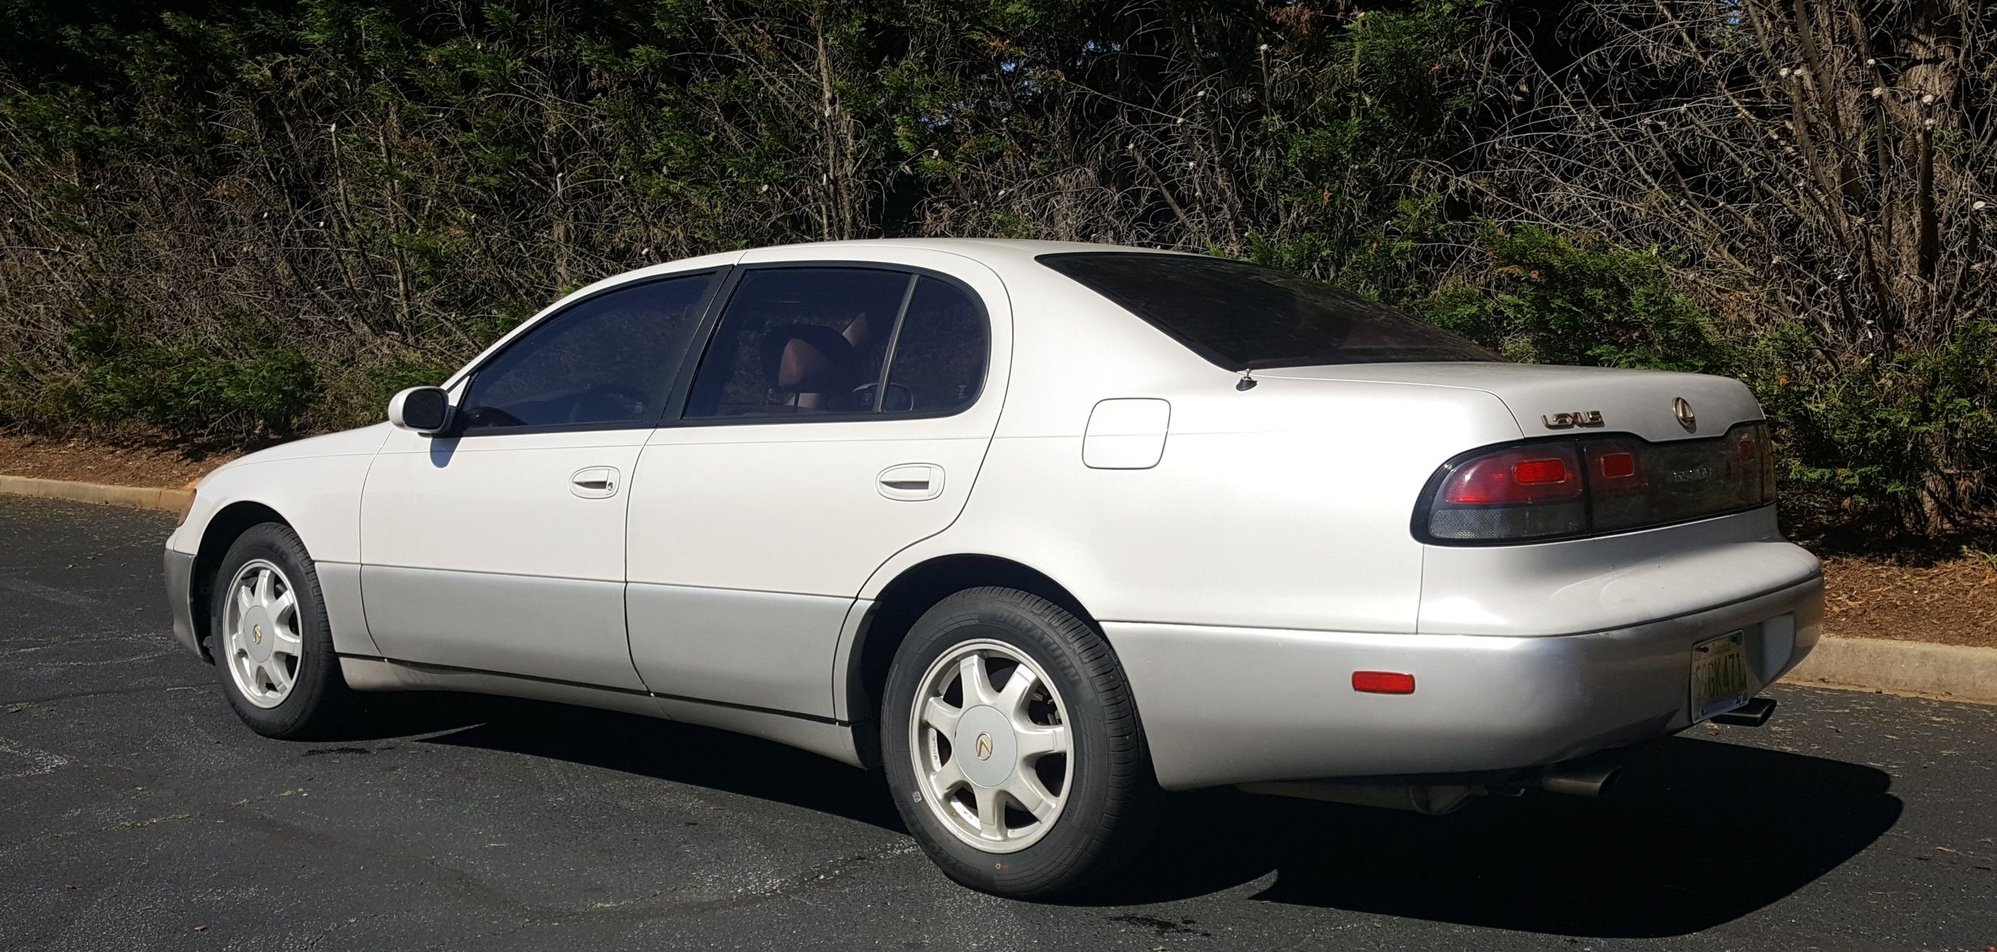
1242 315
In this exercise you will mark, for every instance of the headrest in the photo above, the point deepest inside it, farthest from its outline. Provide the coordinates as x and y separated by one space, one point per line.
806 358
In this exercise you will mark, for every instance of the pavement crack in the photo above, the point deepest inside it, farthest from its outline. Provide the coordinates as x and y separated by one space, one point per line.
46 593
789 887
101 692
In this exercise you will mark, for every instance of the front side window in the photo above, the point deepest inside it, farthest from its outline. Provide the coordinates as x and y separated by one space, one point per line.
605 361
1243 316
799 343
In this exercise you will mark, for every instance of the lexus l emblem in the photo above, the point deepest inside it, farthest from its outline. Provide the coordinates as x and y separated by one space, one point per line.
256 634
1683 411
984 746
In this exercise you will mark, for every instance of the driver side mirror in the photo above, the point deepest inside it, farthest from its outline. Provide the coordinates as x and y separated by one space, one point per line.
423 409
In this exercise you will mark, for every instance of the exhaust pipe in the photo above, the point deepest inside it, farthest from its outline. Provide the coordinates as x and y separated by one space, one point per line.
1752 714
1579 778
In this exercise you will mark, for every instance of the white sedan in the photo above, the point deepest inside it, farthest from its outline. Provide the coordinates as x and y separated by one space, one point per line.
1039 529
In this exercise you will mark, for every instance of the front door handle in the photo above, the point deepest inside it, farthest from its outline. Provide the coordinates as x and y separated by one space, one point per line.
595 482
912 482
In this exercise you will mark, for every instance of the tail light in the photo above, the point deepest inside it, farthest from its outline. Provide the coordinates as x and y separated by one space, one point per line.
1554 489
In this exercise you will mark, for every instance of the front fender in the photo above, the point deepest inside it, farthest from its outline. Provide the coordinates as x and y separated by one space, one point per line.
314 486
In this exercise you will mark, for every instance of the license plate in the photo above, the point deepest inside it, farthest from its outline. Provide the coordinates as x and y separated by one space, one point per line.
1719 676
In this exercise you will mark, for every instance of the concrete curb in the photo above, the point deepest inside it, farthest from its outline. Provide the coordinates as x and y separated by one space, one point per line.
140 497
1947 672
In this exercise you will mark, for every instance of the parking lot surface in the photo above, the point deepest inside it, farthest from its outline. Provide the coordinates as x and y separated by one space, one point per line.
136 812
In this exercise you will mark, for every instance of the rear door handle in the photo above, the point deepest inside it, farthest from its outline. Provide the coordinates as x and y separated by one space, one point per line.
912 482
595 482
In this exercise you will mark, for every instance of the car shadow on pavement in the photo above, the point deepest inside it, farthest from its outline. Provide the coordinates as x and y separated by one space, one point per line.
650 747
1693 835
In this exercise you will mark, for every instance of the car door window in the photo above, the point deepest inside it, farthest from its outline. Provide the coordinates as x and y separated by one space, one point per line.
801 343
940 353
606 361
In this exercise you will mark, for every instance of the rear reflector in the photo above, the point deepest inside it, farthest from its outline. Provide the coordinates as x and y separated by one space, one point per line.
1383 682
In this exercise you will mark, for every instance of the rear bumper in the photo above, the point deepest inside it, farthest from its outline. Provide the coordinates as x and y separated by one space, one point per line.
180 598
1242 705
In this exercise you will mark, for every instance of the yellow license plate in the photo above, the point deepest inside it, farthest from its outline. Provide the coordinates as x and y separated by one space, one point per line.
1719 676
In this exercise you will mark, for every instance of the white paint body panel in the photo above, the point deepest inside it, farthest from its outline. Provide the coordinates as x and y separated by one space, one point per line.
1244 549
315 484
730 520
477 554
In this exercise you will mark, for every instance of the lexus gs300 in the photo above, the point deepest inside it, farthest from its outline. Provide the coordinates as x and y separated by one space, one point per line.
1038 529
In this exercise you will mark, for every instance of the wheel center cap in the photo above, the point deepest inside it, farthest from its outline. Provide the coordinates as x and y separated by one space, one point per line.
259 635
985 746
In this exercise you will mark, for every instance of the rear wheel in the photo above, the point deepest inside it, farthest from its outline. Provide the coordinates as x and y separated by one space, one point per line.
269 637
1013 747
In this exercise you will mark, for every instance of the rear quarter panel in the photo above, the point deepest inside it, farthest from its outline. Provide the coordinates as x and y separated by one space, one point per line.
1286 504
1282 506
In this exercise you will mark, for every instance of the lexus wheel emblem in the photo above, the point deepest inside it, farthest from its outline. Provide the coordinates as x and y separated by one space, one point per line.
984 746
1686 418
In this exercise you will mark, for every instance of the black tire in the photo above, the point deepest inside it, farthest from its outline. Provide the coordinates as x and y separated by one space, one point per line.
1111 795
319 698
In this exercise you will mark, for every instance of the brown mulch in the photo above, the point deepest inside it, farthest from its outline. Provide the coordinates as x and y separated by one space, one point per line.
1950 600
92 462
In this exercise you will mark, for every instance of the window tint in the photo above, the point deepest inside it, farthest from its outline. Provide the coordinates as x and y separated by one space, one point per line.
939 356
799 341
605 361
1242 315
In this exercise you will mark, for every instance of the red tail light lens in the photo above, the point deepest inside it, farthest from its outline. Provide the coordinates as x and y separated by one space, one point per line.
1518 476
1560 489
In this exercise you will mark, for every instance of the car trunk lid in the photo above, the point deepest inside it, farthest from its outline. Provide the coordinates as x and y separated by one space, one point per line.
1658 406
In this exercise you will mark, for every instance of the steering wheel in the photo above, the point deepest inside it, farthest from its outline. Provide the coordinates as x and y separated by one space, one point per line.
605 402
899 398
491 417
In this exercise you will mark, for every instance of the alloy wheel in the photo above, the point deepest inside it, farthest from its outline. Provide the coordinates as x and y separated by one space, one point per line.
990 746
262 645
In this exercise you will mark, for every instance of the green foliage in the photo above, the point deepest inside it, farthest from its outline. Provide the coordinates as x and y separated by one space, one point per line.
1871 440
191 393
286 210
1864 442
1548 299
357 395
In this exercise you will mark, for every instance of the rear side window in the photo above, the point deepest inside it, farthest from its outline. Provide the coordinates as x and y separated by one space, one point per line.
803 343
603 362
939 356
1242 316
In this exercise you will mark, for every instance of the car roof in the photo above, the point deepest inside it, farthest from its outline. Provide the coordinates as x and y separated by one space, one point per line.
1011 250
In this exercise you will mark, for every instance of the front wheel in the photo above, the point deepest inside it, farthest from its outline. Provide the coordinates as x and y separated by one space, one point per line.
270 639
1012 744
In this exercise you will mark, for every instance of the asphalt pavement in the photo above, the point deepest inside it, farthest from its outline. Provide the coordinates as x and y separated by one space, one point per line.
137 813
